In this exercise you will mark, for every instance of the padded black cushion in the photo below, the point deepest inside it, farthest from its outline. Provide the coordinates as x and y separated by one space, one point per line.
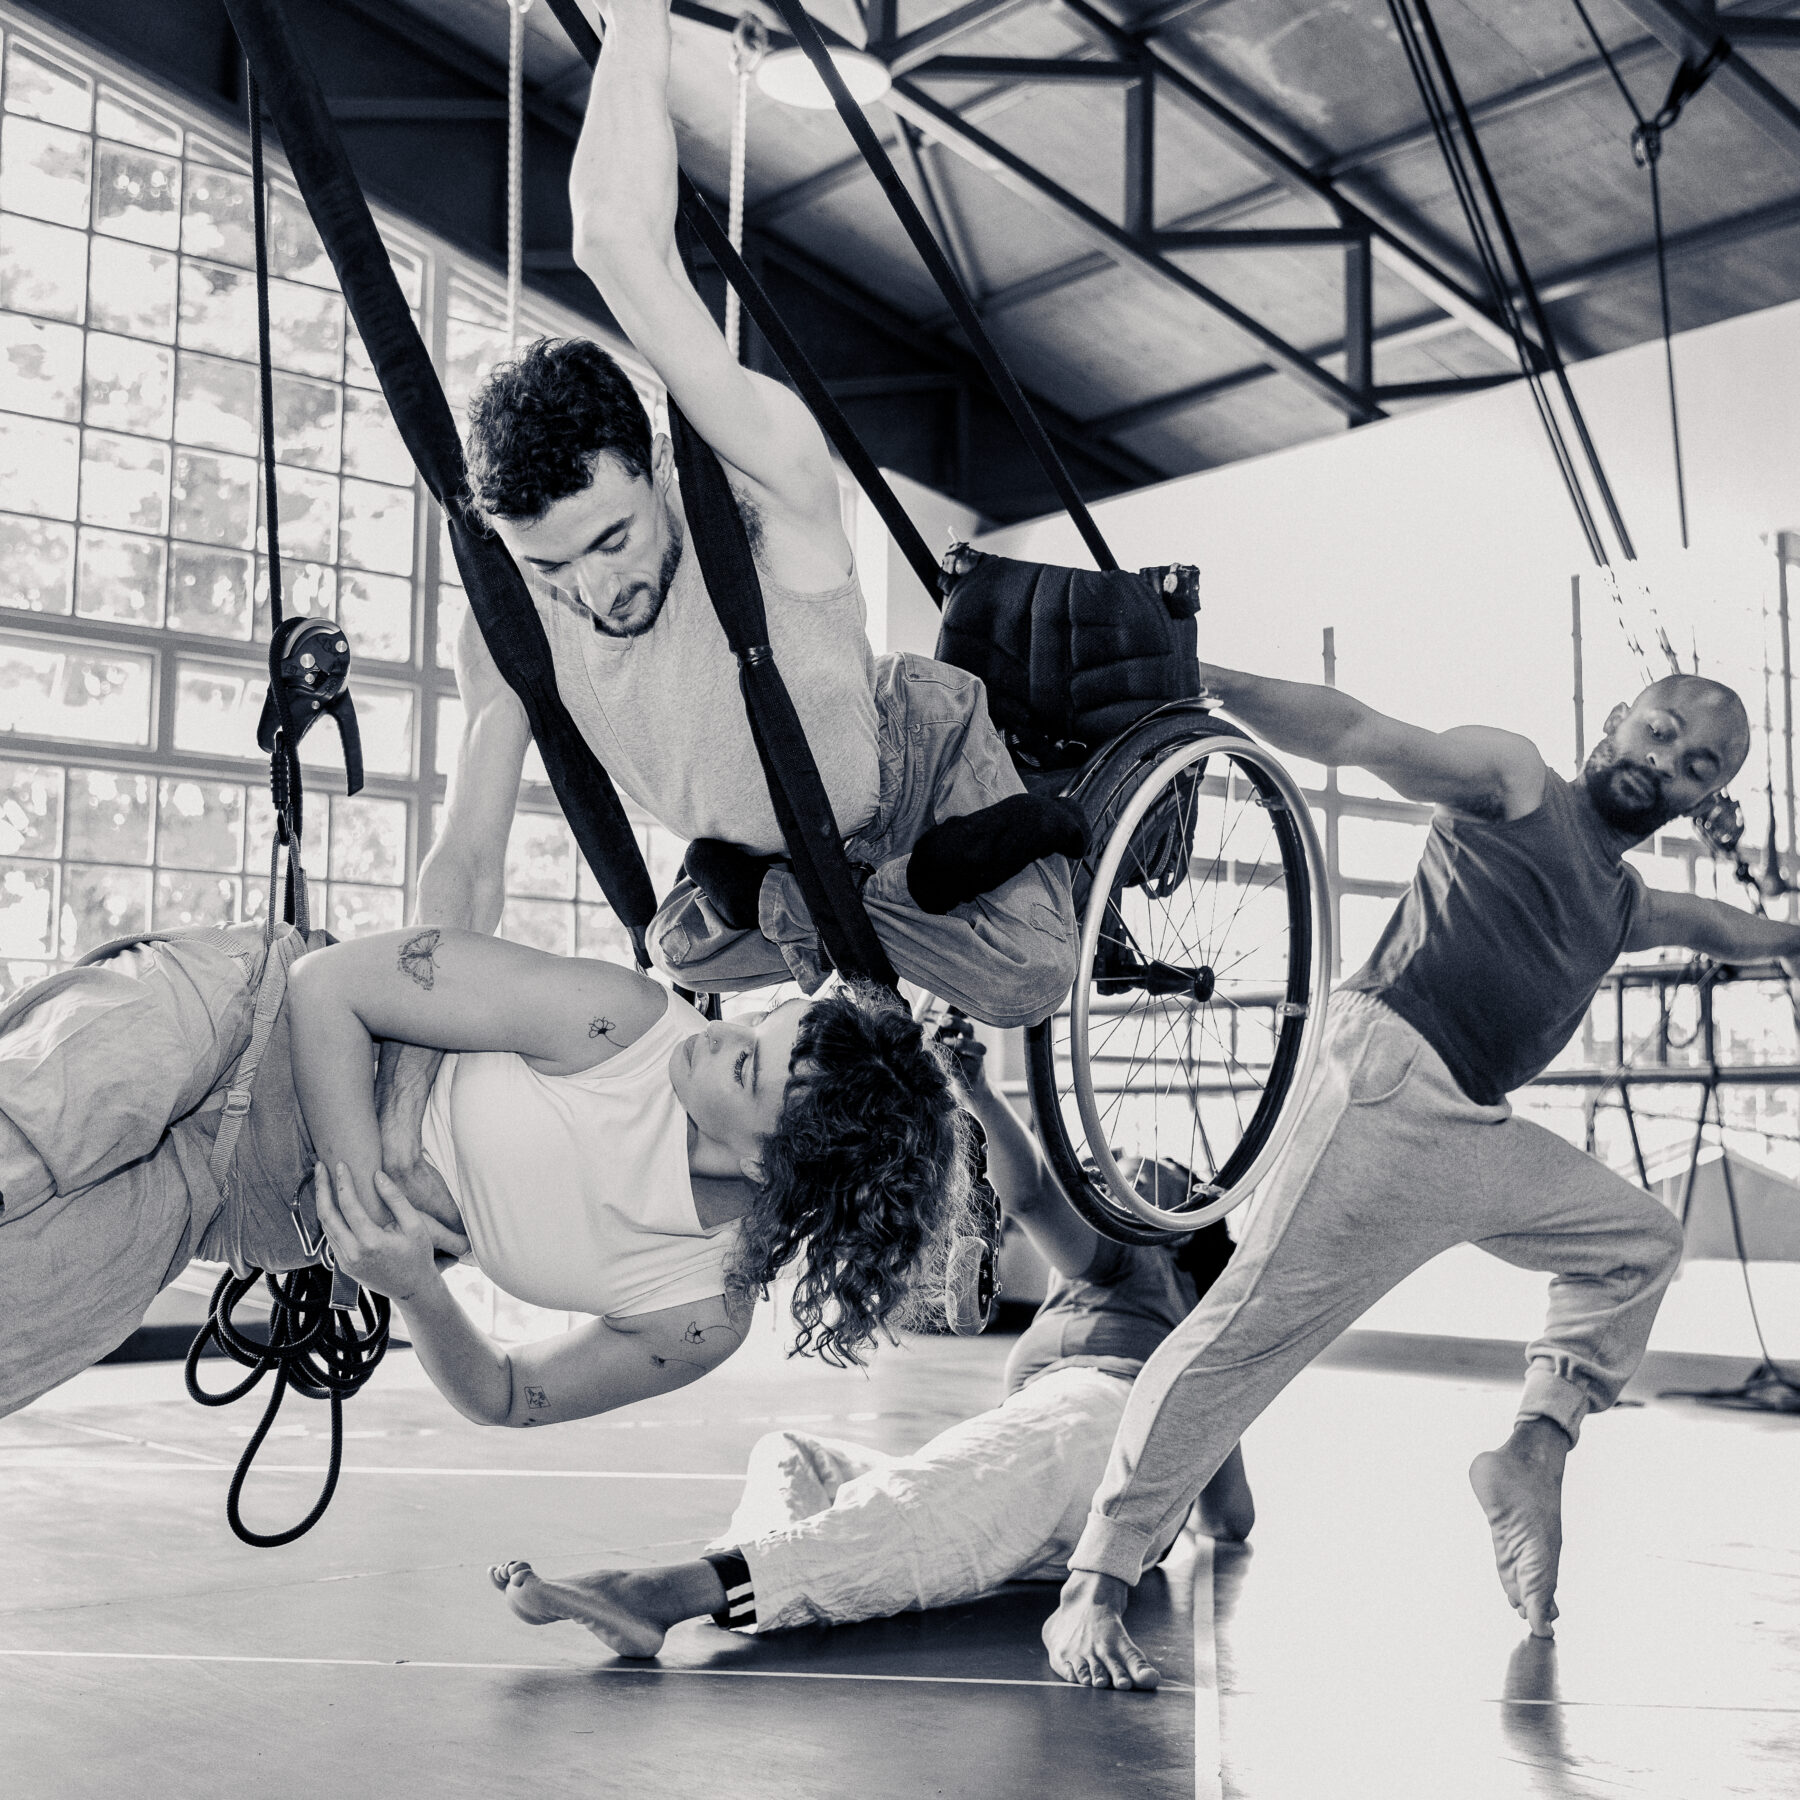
1071 657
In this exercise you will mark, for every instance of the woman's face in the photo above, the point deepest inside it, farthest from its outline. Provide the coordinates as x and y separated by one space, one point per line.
732 1075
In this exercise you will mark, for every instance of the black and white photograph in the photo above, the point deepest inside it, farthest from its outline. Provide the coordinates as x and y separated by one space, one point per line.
899 898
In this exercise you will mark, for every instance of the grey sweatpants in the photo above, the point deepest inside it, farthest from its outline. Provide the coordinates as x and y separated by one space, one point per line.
1006 958
110 1094
1390 1164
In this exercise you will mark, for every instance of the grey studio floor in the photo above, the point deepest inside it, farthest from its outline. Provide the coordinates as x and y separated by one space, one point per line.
1359 1647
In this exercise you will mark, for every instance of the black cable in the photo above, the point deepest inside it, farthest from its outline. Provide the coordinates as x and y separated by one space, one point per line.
1522 271
799 22
1646 150
312 1347
286 789
1529 354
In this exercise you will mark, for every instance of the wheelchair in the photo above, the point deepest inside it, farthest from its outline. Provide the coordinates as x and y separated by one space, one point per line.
1195 1017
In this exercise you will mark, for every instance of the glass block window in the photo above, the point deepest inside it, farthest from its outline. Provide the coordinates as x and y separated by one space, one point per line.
134 542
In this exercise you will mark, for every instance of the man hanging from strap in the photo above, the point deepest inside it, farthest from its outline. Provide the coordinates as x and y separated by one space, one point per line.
963 873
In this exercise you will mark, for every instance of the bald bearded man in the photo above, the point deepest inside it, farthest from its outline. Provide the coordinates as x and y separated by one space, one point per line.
1406 1144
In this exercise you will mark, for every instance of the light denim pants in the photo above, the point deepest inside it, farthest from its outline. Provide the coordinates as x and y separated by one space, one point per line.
1390 1164
833 1532
1006 958
110 1096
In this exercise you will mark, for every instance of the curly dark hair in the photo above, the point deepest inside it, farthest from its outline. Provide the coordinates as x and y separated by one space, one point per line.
866 1171
536 426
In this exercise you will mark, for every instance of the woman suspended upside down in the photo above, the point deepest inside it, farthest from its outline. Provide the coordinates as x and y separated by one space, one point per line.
591 1142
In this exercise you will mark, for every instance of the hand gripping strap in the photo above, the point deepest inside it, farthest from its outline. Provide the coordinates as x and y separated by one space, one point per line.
497 595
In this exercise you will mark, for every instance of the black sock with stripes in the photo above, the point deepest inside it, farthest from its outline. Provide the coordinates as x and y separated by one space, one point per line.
733 1572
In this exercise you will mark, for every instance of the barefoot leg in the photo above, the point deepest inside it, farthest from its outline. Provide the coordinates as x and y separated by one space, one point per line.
1087 1639
1520 1489
629 1610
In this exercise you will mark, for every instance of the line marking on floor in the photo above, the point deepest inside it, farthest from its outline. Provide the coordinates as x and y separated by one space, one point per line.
138 1468
620 1668
1209 1777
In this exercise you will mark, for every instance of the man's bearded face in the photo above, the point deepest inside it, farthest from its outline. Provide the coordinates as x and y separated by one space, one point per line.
1627 793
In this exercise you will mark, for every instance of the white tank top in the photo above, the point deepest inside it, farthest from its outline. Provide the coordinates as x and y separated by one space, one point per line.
574 1189
665 716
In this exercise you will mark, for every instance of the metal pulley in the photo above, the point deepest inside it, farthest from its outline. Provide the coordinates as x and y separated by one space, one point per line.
309 659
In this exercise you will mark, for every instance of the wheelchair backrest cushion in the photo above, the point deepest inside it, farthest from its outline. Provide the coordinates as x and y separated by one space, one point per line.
1071 657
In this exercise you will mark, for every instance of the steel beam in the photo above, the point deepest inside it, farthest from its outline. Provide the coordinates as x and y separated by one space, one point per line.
1691 36
1013 171
1102 71
1187 80
1779 33
1563 285
1571 80
1139 211
916 47
1359 319
1275 237
932 203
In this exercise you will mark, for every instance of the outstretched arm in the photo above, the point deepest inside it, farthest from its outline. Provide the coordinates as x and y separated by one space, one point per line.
1472 768
1713 928
1027 1190
622 193
378 1238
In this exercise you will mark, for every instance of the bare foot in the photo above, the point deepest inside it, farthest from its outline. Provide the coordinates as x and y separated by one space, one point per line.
1087 1639
1520 1489
605 1602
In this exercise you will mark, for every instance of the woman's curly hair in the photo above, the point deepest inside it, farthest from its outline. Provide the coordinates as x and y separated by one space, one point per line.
865 1175
536 426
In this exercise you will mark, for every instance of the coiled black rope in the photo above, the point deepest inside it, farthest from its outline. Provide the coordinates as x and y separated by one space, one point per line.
313 1347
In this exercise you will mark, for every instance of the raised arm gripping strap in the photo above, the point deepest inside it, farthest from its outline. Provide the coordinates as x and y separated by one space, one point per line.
502 607
769 322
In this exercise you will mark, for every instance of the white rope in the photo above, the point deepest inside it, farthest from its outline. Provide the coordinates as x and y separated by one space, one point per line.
749 43
515 165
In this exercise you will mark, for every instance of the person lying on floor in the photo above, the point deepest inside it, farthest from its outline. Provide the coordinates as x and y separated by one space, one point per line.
593 1143
830 1532
962 873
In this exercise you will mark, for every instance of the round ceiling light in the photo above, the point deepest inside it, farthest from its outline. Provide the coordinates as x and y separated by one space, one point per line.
788 76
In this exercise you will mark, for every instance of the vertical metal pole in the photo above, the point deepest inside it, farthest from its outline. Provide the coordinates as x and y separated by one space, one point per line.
1359 319
1575 634
1331 820
1140 154
1787 550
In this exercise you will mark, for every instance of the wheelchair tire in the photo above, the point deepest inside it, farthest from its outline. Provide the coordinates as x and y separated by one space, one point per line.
1199 997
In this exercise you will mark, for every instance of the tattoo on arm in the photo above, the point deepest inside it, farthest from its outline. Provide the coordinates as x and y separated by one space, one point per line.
536 1400
695 1334
601 1028
416 957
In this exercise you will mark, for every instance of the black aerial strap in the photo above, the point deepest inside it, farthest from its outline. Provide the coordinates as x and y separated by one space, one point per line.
769 322
799 22
503 609
722 550
802 807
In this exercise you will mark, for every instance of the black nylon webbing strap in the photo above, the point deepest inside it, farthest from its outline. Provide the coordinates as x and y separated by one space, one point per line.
799 22
503 609
788 353
802 807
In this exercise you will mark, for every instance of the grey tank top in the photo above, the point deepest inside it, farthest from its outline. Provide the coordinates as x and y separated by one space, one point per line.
1112 1318
664 714
1497 948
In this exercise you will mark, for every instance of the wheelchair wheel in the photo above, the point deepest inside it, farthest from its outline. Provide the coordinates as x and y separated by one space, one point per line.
1199 996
